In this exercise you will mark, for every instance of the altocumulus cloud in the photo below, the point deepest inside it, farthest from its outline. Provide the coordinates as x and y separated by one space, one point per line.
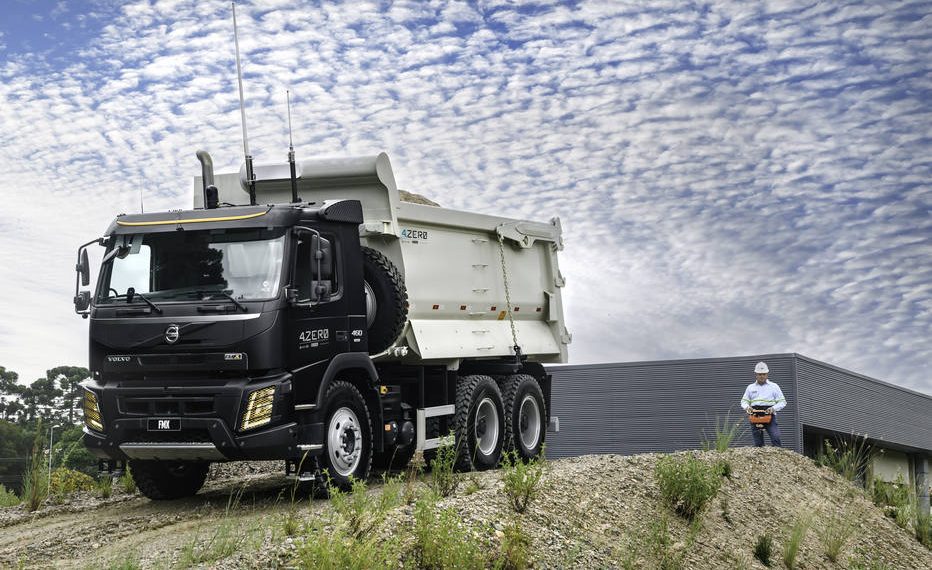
732 178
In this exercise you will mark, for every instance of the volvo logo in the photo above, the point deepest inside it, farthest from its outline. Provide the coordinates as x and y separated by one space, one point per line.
172 333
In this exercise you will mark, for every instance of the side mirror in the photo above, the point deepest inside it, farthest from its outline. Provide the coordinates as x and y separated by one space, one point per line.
82 301
84 269
321 269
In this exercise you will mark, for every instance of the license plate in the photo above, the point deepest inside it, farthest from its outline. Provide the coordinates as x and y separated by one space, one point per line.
156 424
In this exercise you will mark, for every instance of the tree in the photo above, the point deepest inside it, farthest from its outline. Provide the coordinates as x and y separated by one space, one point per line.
68 379
9 392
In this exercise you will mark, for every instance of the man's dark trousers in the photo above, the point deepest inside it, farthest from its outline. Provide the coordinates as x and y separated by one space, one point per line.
773 430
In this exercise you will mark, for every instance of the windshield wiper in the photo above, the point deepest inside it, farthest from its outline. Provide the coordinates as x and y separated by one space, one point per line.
131 293
209 294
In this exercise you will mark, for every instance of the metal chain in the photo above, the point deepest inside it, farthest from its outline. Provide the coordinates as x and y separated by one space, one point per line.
511 318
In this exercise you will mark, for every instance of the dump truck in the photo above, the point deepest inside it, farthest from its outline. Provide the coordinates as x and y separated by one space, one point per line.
336 331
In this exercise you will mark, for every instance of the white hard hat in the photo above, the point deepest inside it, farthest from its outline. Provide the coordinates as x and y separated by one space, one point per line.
761 368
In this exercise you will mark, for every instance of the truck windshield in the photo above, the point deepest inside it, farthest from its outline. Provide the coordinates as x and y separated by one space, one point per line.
204 264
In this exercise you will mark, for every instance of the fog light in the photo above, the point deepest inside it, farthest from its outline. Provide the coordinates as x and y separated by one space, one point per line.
258 408
92 416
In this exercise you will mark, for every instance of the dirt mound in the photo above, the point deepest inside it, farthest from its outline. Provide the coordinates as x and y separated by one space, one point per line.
594 512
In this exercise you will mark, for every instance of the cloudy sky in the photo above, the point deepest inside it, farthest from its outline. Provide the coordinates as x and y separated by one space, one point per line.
733 178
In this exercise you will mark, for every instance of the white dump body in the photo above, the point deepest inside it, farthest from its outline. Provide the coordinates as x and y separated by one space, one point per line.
451 260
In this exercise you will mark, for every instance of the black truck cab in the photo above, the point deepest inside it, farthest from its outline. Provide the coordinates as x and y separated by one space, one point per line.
213 332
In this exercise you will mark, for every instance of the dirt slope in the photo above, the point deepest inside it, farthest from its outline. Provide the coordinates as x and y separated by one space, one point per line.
595 512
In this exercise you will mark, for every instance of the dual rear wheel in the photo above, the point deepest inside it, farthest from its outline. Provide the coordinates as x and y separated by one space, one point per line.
493 418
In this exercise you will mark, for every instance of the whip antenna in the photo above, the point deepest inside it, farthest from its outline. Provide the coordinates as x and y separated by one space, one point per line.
250 175
294 176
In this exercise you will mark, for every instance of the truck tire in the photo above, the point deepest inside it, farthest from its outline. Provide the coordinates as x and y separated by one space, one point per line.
525 415
166 480
479 425
347 436
386 300
394 457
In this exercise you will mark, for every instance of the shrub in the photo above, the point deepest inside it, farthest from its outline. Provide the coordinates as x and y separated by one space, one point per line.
923 527
848 458
686 483
335 549
514 548
127 481
725 434
8 498
895 499
791 548
763 549
443 480
834 536
66 482
522 479
105 486
440 542
35 479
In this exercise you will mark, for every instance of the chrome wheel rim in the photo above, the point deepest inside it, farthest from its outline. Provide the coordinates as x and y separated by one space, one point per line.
344 441
486 427
529 422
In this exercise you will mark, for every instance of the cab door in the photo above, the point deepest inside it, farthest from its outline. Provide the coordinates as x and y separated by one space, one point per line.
317 328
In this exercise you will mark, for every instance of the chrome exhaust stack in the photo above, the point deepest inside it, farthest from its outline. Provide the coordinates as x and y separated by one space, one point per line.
211 198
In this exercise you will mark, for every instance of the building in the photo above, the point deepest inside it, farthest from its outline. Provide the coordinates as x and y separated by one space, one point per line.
674 405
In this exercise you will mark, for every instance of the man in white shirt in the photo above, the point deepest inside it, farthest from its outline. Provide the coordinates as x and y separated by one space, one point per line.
764 396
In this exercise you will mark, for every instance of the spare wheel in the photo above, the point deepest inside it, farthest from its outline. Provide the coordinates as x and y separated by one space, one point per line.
386 300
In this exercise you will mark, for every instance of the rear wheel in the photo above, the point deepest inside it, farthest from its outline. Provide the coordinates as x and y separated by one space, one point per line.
480 430
164 480
525 415
347 435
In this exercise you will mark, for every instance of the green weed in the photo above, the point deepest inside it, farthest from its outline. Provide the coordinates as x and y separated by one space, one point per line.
224 541
105 486
514 552
66 482
127 481
522 479
444 480
797 535
8 498
440 541
763 549
336 549
726 431
848 457
660 543
128 562
834 535
686 483
35 479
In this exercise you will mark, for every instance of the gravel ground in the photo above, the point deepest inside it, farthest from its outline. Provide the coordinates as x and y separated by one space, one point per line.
594 512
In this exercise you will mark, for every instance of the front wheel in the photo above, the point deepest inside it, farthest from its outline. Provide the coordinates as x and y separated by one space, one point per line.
165 480
347 436
480 430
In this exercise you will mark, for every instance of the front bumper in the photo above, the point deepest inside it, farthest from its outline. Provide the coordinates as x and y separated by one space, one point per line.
206 419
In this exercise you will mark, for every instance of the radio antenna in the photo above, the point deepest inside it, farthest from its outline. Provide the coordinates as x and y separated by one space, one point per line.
294 176
250 174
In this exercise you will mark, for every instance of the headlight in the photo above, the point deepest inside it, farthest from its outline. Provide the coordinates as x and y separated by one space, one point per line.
258 410
92 415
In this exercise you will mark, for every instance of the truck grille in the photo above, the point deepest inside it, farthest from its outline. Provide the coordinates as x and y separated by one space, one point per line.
167 406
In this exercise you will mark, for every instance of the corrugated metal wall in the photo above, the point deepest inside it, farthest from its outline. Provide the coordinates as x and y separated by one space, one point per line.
837 400
660 406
